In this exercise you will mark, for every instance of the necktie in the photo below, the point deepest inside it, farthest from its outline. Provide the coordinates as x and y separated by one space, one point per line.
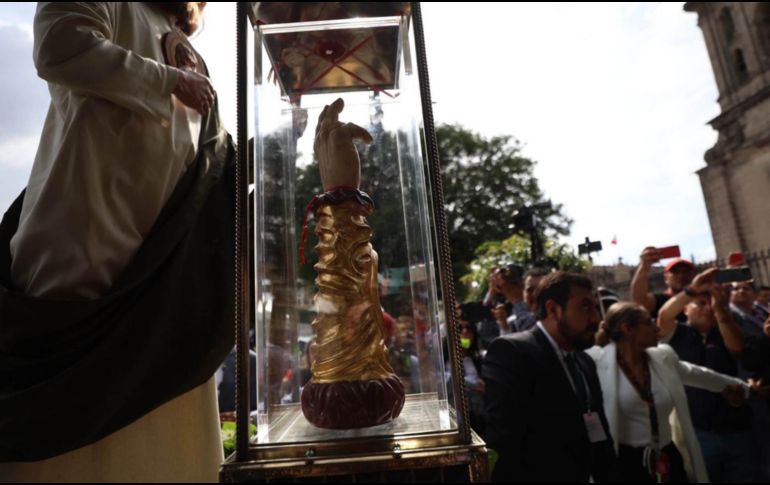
577 380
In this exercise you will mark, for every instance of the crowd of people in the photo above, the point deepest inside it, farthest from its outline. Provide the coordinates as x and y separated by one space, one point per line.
667 387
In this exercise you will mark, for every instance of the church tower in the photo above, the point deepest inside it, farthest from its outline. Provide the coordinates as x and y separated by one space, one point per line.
736 178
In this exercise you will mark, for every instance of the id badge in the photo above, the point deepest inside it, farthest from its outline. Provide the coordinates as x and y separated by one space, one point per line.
662 467
594 427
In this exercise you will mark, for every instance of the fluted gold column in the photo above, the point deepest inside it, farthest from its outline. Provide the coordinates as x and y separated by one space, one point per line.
353 384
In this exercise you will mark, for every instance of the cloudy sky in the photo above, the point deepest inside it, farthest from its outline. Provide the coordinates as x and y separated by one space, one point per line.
612 101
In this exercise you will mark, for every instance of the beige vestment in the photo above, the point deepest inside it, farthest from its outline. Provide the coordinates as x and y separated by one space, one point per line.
114 145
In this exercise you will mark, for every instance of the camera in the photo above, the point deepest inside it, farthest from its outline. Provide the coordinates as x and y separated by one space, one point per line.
589 247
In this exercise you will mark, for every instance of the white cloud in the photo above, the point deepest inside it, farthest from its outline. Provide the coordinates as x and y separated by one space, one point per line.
610 99
23 96
23 101
24 27
18 14
18 152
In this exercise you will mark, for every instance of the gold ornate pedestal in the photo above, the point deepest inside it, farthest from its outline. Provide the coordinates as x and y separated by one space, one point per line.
353 384
402 450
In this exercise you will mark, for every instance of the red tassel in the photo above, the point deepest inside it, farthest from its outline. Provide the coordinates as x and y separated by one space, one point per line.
303 239
311 208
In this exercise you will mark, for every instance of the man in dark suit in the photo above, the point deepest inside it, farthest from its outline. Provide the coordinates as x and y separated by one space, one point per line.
543 400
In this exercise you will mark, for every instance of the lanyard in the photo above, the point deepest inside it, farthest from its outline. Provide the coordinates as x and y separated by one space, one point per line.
657 463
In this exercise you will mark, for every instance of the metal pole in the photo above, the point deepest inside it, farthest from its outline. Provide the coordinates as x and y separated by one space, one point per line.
241 245
439 216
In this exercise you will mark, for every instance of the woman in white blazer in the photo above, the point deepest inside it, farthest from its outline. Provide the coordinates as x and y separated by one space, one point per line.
643 383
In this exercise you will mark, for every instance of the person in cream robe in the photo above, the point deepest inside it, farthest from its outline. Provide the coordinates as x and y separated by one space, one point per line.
121 130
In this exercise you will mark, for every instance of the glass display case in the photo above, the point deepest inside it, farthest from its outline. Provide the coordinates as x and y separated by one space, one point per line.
350 309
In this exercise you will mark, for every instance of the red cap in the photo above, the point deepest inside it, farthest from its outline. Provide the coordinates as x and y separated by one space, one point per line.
678 261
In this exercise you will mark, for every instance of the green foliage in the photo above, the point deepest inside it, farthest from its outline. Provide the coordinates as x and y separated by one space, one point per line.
515 249
485 181
492 457
228 436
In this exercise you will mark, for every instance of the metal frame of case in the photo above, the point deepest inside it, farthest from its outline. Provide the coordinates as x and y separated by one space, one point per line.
447 455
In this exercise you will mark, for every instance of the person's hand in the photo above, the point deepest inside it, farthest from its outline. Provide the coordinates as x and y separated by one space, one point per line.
337 156
703 281
495 282
758 390
480 387
194 91
650 255
734 395
720 296
500 314
766 327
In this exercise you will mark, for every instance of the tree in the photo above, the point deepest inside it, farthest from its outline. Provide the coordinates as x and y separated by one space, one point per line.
515 249
485 181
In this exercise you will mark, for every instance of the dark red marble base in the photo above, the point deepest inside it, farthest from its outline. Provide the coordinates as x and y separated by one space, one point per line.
353 404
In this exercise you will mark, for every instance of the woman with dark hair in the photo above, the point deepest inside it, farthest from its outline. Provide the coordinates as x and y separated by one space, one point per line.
643 388
116 310
471 360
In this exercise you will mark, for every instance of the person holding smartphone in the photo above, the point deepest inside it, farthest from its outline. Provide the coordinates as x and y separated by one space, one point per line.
512 314
677 274
711 338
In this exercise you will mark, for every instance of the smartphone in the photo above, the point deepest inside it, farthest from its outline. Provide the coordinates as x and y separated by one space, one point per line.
736 259
669 252
730 275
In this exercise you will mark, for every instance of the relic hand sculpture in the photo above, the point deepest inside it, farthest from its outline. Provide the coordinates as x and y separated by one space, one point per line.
353 384
337 156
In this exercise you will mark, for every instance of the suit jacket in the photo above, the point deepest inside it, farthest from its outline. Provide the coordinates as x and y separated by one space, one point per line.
674 374
534 419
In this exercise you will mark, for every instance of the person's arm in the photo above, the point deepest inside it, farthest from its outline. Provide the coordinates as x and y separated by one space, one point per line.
668 312
674 306
640 286
490 299
731 332
73 48
704 378
501 316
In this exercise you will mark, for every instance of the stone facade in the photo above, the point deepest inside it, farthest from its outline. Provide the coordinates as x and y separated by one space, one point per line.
618 279
736 178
